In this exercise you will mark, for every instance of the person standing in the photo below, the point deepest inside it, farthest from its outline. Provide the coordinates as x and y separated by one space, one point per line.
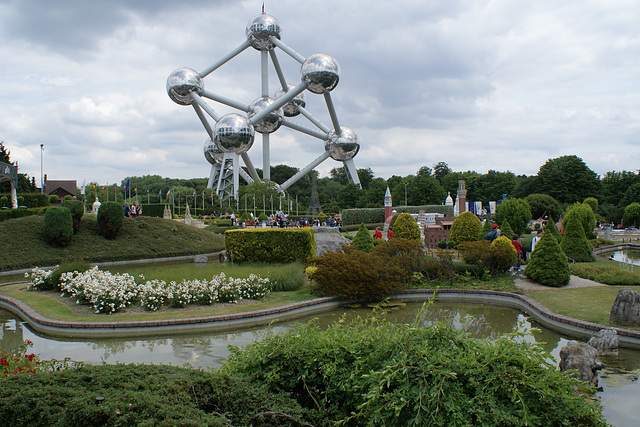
516 244
494 233
377 234
390 234
535 240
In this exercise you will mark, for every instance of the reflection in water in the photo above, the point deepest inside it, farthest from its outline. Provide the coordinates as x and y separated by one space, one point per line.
627 256
204 350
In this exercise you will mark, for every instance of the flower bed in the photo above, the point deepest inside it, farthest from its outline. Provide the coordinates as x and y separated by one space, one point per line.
108 293
18 361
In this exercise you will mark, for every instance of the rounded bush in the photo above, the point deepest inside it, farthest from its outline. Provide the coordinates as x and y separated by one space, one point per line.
548 264
516 211
406 227
76 207
110 218
502 255
58 226
585 215
54 199
465 228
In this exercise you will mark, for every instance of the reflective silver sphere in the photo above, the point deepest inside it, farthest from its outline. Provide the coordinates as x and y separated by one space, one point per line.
233 132
181 83
291 108
212 152
260 28
320 72
272 122
344 146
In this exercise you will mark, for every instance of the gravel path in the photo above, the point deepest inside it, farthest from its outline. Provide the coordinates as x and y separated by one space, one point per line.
575 282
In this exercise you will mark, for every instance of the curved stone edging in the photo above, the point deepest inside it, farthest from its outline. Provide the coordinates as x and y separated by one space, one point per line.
570 326
616 247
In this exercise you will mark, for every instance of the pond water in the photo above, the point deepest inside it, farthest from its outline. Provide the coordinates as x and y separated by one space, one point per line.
620 395
626 256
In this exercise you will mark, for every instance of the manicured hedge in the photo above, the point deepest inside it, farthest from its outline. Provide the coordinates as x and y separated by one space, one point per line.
372 215
110 218
19 213
273 245
76 207
58 226
30 200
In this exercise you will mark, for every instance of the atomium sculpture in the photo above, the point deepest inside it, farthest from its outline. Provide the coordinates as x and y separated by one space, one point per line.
233 134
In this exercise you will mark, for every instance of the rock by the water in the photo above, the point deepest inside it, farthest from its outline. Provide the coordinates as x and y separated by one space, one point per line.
583 358
329 239
626 308
605 341
201 259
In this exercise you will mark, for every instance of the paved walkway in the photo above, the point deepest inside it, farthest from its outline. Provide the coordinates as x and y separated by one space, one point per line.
575 282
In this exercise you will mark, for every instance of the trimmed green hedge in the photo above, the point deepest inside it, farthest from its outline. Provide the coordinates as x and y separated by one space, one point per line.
373 215
30 200
19 213
58 226
272 245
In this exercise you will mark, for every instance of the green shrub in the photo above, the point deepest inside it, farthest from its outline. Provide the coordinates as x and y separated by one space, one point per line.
58 226
110 219
574 243
370 372
486 228
19 213
369 226
141 395
406 227
376 215
270 245
155 210
53 199
245 217
4 200
502 255
585 215
550 226
407 253
475 252
548 264
442 244
358 276
542 205
68 197
76 207
262 217
505 229
516 211
290 277
465 228
363 241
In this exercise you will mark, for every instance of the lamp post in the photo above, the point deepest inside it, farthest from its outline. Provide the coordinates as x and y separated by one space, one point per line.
405 193
41 170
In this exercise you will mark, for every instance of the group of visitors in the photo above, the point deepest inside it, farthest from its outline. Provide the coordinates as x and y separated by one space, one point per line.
133 210
377 234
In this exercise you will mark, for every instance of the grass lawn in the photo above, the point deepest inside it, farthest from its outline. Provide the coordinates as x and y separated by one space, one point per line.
51 305
139 238
592 304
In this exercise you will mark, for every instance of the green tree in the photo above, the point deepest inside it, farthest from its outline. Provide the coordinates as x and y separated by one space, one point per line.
574 243
465 228
363 241
373 196
585 216
568 179
516 211
58 226
593 202
505 229
486 228
406 227
440 170
551 228
492 185
632 214
348 196
615 184
631 195
542 205
548 264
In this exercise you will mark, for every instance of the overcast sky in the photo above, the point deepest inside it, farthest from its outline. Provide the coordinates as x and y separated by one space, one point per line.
480 85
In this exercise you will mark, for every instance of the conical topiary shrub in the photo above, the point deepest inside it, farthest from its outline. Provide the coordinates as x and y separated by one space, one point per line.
486 228
551 227
548 264
575 244
363 241
506 230
406 227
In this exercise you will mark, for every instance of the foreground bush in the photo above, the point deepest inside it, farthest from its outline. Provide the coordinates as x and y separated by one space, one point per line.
465 228
58 226
142 395
110 218
371 372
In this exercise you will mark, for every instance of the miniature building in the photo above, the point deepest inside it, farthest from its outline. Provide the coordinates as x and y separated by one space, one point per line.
437 231
60 188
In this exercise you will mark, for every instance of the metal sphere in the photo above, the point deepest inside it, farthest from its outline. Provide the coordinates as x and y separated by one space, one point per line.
181 83
272 122
212 152
320 72
291 108
260 28
344 146
233 132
